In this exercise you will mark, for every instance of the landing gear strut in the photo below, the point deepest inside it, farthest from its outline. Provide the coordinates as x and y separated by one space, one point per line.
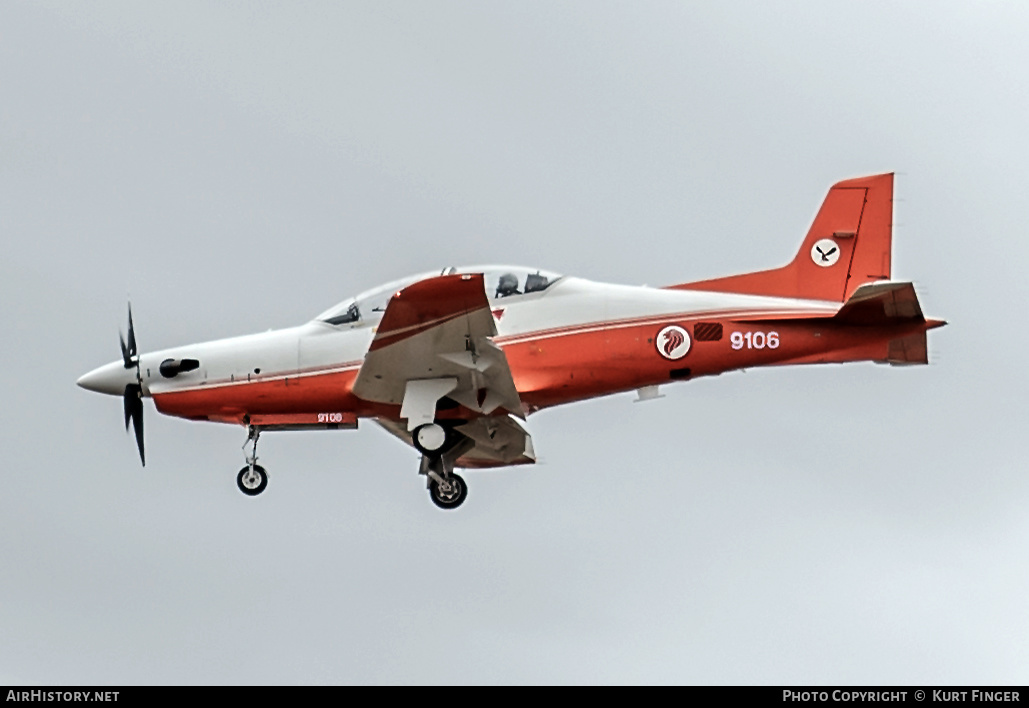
252 479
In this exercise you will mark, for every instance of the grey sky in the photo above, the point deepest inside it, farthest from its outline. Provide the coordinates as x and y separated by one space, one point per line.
234 167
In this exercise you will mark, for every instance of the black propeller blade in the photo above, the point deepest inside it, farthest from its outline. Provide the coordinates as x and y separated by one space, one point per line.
133 401
133 397
128 353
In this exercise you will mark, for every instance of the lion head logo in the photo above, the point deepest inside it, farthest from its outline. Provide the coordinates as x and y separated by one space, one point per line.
672 342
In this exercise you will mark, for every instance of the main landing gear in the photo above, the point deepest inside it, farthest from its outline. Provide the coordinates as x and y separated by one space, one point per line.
252 479
440 448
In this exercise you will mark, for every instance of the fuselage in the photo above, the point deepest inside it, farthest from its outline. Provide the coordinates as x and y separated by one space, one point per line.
451 362
576 339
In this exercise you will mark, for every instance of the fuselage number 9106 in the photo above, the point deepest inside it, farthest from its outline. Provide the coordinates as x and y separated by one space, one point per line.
330 417
754 340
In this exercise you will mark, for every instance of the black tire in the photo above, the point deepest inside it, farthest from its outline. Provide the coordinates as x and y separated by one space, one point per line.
452 499
424 450
247 485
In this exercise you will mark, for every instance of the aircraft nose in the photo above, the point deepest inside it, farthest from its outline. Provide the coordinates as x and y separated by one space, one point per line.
110 379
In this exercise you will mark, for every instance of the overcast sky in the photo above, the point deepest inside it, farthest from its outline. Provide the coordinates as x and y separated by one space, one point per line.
234 167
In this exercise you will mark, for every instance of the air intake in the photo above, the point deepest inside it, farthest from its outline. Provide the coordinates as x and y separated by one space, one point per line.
170 368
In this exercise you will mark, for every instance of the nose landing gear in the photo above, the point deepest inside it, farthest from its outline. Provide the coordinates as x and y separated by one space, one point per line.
253 478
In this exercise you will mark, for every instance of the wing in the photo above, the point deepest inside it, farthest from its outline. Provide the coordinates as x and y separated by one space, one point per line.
434 341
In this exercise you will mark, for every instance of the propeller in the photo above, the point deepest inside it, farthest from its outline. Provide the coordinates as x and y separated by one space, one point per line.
133 396
133 400
128 353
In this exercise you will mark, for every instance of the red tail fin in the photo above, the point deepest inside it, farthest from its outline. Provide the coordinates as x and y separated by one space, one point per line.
847 246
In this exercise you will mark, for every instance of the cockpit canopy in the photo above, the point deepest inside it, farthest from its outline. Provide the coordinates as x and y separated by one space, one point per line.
501 282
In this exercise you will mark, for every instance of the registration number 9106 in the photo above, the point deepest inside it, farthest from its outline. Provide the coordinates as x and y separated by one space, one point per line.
754 340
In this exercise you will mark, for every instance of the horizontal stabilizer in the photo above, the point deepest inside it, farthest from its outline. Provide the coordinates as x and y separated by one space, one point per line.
881 303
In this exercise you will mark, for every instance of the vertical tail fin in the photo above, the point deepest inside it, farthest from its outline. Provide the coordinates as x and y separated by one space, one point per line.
848 245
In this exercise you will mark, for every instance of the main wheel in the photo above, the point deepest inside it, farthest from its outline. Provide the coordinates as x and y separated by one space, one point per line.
252 484
448 496
430 438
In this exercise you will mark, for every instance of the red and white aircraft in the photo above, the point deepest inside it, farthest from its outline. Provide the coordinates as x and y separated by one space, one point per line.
453 362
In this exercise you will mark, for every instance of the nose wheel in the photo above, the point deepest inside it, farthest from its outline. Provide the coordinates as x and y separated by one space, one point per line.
252 480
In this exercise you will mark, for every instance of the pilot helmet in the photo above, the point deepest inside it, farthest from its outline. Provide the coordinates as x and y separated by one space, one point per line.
508 285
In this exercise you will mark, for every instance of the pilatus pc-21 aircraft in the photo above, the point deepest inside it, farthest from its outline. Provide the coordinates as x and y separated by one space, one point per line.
454 361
